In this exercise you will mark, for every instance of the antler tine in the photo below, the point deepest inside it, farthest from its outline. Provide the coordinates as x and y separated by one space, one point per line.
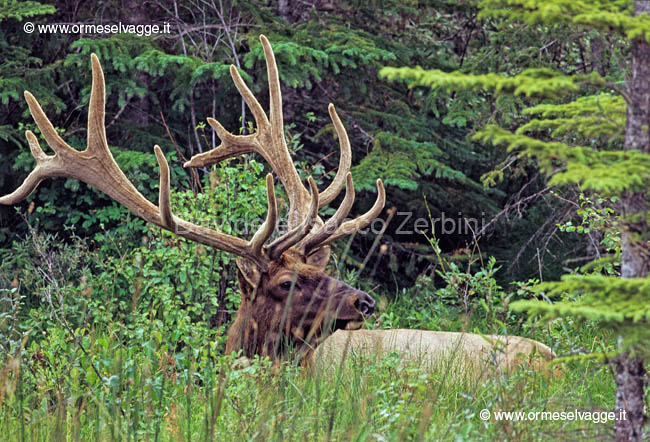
279 156
361 222
268 141
249 98
164 203
292 237
35 177
96 167
231 146
97 109
275 93
328 195
332 224
46 165
53 139
267 228
234 145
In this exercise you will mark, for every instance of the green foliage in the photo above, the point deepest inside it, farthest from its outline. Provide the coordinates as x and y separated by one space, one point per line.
13 9
152 390
405 164
182 283
610 300
159 88
463 298
116 55
466 297
119 335
599 220
577 142
532 83
608 16
607 172
142 361
621 305
596 119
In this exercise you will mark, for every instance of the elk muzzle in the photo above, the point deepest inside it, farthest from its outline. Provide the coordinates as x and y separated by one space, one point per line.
364 303
351 308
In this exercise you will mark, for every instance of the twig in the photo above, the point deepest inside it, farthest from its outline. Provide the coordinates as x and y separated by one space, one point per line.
509 207
117 115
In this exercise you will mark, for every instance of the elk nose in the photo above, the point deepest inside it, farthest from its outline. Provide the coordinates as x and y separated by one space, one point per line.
365 304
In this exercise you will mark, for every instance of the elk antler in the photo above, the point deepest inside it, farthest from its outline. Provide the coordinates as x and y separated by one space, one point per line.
97 167
269 142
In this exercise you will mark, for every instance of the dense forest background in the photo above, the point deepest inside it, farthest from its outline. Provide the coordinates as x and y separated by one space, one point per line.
161 89
514 150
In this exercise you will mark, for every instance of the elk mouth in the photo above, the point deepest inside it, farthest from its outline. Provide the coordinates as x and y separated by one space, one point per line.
339 324
355 310
348 324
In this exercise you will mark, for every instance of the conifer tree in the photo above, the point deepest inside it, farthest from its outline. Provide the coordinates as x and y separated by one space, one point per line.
324 55
593 131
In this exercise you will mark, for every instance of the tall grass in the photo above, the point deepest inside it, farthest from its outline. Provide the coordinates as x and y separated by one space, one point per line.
148 392
133 358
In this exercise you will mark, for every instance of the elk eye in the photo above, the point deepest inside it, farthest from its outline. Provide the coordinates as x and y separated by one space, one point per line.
286 285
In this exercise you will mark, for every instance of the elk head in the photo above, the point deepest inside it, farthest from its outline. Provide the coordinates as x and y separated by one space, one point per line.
288 301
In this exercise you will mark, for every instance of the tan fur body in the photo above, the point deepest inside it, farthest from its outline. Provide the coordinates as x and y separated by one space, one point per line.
468 354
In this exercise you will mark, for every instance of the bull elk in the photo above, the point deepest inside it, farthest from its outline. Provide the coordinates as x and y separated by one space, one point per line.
288 301
287 298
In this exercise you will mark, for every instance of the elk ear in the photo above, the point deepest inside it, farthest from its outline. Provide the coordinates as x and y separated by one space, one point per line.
320 257
249 275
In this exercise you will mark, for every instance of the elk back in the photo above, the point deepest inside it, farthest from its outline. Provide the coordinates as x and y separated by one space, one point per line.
462 355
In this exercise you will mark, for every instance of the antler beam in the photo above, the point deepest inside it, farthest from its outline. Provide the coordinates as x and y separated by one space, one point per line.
269 142
96 167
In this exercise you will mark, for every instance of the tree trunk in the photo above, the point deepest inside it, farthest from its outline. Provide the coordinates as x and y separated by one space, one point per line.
597 58
284 9
635 262
630 376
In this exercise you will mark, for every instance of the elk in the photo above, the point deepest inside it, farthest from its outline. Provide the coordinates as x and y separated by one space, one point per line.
287 298
471 355
289 303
